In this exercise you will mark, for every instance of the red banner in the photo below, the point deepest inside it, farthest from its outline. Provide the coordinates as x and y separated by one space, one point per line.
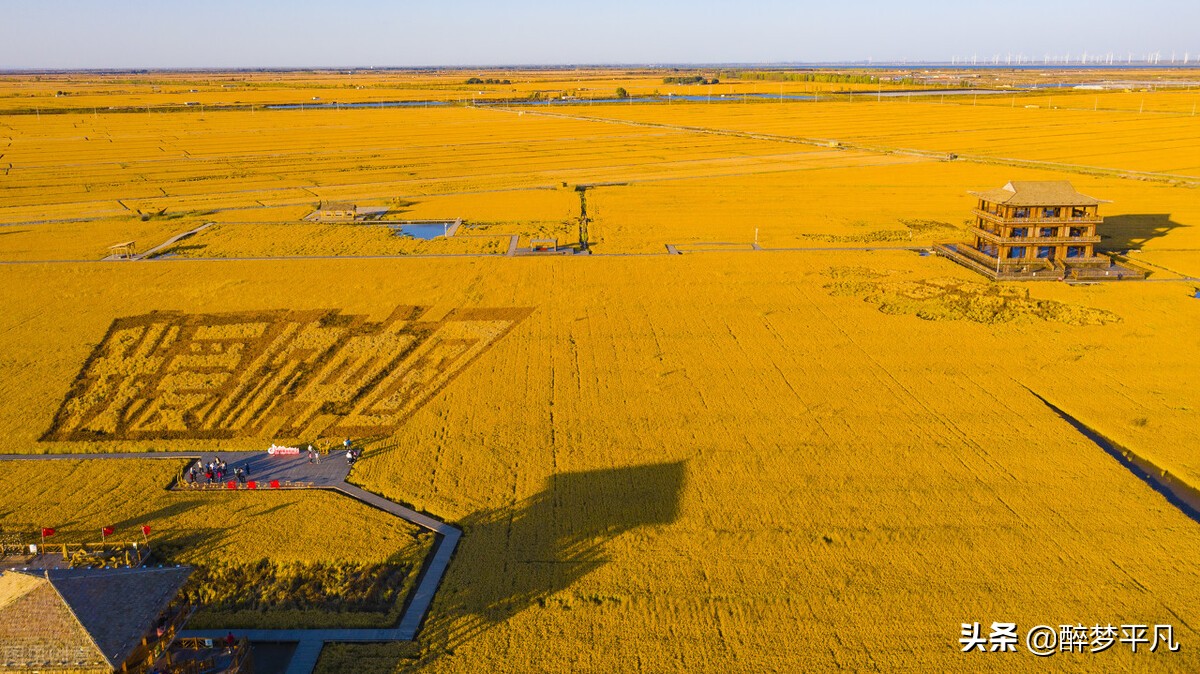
47 532
107 531
252 484
274 484
231 485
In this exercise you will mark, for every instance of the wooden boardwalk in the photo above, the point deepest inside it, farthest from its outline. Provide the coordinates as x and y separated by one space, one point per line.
330 474
173 240
304 658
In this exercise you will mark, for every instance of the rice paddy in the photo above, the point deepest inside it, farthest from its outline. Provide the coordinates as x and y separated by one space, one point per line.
800 445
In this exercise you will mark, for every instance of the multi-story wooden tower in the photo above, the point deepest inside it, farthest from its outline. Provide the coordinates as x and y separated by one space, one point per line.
1036 230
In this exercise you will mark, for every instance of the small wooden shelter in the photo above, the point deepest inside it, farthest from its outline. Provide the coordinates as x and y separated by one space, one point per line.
337 211
126 250
89 620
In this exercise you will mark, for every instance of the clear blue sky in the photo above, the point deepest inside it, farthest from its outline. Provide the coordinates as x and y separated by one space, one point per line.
282 33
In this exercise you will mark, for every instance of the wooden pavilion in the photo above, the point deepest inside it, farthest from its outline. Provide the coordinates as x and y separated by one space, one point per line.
336 211
1031 230
126 250
89 620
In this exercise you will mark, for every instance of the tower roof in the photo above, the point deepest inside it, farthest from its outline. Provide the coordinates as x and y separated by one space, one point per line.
85 619
1038 193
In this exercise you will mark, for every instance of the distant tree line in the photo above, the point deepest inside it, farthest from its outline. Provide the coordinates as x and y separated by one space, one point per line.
692 79
476 80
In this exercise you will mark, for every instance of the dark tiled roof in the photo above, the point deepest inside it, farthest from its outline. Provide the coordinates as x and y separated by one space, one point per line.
84 618
1037 193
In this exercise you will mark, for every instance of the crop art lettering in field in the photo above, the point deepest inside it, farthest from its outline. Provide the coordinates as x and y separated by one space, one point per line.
287 374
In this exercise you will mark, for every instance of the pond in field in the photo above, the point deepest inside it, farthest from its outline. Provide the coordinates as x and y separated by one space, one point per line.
431 231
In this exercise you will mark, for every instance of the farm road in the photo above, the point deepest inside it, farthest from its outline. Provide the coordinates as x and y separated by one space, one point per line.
331 473
669 249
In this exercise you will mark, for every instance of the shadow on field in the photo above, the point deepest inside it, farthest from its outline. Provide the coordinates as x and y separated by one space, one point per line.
1132 232
182 248
172 510
513 558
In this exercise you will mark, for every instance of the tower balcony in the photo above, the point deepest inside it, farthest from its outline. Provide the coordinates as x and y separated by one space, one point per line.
993 237
1033 218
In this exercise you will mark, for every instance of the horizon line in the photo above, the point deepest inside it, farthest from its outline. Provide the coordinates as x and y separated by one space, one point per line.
857 64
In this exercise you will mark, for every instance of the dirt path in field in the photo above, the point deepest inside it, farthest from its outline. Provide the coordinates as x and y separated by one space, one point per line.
1172 178
296 472
669 250
552 182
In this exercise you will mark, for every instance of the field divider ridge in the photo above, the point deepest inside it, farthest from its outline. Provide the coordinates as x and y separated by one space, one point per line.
1190 181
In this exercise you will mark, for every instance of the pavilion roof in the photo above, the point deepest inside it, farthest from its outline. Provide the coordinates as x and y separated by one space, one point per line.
1038 193
83 619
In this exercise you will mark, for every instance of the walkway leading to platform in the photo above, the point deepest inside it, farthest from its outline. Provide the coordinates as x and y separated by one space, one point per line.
295 471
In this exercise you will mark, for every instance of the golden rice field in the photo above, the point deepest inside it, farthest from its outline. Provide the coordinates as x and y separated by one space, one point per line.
163 90
206 527
1163 142
824 455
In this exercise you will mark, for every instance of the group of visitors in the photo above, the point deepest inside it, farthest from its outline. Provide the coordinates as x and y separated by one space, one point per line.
352 453
215 472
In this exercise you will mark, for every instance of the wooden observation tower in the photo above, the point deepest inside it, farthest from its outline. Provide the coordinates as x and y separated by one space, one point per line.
1034 230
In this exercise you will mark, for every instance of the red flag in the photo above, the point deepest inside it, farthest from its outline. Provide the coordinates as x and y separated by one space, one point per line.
252 484
145 529
107 531
274 484
47 532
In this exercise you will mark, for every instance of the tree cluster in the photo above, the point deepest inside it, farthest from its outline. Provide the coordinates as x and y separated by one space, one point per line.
690 79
